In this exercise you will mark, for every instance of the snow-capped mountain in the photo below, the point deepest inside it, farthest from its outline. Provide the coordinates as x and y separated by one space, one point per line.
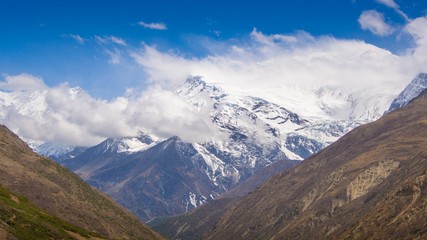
128 145
258 132
411 91
249 119
160 177
31 104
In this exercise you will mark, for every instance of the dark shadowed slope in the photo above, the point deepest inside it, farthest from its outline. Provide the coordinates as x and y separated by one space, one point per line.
197 223
63 194
166 179
370 184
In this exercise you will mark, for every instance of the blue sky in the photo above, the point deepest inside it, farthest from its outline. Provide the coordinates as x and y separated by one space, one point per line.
73 41
129 58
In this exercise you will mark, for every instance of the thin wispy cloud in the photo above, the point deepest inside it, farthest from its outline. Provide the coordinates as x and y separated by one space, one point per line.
110 39
77 38
374 22
115 56
393 4
154 25
216 32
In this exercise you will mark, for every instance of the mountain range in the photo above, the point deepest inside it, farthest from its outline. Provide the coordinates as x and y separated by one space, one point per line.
161 177
370 184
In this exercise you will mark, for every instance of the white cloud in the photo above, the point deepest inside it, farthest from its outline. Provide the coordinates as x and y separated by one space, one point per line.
166 114
393 4
77 38
374 21
417 28
154 26
110 39
22 82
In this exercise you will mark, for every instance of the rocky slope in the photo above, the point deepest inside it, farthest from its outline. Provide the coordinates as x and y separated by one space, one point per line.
370 184
62 194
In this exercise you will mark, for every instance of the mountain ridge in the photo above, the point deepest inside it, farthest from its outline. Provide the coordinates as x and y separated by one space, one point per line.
258 132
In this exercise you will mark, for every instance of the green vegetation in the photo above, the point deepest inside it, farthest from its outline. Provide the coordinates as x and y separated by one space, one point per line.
23 220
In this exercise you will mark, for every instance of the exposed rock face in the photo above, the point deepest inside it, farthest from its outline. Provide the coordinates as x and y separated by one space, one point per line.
370 178
370 184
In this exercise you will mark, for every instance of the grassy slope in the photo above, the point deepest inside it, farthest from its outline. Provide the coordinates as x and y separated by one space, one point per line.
23 220
63 194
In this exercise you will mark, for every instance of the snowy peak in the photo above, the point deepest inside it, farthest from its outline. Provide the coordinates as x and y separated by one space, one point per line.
128 144
199 93
410 92
59 152
53 149
272 112
195 81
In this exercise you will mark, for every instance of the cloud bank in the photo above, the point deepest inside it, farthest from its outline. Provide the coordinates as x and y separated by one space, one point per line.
284 60
71 116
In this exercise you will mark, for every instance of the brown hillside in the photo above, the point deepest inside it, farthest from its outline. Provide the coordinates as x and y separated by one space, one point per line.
370 184
63 194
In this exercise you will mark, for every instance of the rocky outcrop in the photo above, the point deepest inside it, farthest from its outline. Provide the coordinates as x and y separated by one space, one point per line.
370 178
